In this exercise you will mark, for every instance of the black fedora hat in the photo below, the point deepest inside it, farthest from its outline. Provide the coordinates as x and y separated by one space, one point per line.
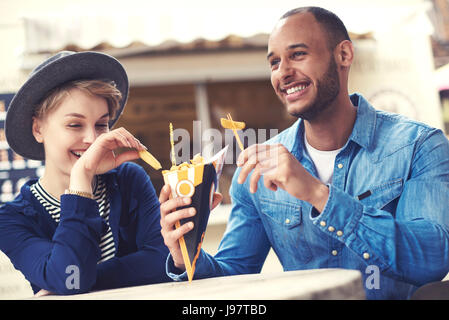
61 68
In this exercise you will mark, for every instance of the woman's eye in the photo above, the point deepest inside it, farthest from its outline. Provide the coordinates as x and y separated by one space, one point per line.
74 125
102 126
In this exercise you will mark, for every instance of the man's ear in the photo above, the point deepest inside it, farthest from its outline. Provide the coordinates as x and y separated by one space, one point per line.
37 130
344 53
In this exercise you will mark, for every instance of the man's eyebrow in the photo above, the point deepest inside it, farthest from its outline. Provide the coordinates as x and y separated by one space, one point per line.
290 47
298 45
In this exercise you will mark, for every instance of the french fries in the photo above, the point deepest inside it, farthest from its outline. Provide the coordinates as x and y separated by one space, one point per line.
150 159
234 126
197 159
229 124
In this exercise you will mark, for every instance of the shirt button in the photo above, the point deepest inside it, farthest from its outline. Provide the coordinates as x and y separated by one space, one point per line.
331 229
287 221
334 252
366 255
340 165
323 223
339 233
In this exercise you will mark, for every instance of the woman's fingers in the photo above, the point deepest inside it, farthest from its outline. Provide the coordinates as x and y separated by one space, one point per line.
42 293
120 137
126 156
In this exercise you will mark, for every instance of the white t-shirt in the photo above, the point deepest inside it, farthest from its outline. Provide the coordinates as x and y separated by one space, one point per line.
324 161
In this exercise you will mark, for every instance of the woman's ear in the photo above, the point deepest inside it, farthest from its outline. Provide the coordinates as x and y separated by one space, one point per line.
37 130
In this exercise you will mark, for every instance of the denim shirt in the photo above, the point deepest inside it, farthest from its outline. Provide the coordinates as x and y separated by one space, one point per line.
387 214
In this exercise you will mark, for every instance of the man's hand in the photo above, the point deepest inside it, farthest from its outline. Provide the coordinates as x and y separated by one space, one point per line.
170 215
280 169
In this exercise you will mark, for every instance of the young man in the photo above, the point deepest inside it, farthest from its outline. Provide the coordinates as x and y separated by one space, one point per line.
345 187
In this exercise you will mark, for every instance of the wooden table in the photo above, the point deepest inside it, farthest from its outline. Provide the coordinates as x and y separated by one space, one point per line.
317 284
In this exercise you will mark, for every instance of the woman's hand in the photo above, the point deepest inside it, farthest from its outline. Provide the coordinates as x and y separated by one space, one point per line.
100 158
42 293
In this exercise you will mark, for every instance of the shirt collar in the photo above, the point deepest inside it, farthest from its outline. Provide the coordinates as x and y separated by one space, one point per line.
365 123
362 132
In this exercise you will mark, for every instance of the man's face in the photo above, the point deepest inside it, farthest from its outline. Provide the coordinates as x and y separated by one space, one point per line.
304 74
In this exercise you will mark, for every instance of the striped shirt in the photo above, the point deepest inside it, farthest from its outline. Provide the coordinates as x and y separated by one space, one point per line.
53 207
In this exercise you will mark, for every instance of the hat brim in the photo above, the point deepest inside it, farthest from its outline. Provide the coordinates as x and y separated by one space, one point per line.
82 65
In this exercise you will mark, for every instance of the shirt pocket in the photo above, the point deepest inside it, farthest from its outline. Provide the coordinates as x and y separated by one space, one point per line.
283 224
383 194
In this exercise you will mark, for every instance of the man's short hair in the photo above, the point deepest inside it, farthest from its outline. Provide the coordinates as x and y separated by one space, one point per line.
332 24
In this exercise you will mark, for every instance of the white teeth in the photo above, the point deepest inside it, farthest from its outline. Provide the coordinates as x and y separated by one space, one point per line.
79 153
296 89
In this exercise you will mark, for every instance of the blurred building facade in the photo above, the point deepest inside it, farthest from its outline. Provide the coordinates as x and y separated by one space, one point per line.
440 45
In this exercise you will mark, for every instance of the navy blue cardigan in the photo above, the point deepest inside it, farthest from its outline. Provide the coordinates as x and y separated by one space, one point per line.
50 255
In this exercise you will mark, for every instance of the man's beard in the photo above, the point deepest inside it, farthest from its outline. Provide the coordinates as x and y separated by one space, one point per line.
328 87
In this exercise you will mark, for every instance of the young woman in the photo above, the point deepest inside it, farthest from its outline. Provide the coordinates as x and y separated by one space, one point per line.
92 220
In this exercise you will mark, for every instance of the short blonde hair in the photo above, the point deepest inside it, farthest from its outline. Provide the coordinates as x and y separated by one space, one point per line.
99 88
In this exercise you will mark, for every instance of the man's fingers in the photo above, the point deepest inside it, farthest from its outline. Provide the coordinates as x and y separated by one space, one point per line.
249 153
172 218
266 155
269 179
246 169
172 204
171 238
262 168
255 176
263 164
165 193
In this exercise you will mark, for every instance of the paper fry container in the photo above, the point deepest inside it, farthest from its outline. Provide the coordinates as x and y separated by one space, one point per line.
198 182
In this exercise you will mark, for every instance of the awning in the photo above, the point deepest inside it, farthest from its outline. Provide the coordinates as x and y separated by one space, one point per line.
167 26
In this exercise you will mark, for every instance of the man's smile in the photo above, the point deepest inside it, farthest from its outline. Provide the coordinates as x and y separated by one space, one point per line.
295 90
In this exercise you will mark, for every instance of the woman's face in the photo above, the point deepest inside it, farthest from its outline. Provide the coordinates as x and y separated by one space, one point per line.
69 129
